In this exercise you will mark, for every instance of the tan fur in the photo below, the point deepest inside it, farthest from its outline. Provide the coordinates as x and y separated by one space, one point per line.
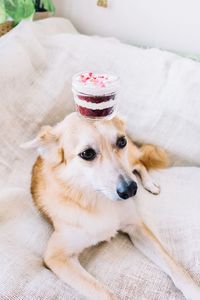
79 197
153 157
62 154
134 153
46 134
38 184
119 123
150 156
68 268
42 175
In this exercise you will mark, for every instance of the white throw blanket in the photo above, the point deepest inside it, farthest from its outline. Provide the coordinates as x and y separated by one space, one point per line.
159 96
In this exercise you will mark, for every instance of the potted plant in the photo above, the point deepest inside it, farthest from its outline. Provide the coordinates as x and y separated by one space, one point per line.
13 11
43 8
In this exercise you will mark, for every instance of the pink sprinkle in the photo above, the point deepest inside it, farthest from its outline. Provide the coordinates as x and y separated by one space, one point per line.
102 85
90 74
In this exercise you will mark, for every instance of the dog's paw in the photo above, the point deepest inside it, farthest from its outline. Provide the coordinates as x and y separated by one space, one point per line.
113 297
110 296
152 187
107 294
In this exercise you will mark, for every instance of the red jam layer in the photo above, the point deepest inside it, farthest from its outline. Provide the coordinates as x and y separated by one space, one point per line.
94 113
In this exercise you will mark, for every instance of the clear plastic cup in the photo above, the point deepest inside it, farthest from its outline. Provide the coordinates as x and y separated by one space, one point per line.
95 94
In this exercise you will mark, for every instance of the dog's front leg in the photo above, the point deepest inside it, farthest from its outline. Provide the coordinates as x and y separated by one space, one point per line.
148 183
67 267
143 238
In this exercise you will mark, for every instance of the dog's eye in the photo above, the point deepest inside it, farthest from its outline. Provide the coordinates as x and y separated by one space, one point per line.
121 142
88 154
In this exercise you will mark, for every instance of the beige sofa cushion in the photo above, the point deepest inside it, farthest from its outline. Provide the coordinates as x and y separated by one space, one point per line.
34 90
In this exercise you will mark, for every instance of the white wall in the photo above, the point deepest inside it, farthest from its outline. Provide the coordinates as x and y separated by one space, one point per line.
167 24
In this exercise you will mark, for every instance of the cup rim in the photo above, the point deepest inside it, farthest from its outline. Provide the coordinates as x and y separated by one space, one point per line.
79 87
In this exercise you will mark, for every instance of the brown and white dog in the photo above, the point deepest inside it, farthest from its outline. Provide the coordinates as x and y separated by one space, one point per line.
83 182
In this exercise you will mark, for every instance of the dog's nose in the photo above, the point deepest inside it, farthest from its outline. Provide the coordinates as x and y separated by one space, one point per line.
126 190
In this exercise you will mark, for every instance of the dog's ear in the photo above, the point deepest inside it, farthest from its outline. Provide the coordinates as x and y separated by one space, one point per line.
45 136
120 122
47 145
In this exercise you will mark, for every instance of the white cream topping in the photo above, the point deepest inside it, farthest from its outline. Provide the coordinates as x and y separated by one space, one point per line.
95 83
91 105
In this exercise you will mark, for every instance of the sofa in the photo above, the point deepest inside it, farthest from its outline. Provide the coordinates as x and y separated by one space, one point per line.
159 98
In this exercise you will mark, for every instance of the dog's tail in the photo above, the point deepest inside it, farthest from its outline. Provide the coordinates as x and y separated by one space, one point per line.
150 246
153 157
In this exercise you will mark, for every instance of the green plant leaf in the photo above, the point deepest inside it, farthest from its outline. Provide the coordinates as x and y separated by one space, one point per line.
19 9
3 15
48 5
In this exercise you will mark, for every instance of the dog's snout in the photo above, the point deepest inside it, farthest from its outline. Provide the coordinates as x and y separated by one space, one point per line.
126 190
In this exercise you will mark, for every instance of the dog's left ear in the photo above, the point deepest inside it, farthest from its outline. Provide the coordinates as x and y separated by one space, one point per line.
45 136
120 122
47 145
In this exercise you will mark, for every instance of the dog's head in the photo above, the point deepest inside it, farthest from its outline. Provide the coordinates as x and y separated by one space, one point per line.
89 155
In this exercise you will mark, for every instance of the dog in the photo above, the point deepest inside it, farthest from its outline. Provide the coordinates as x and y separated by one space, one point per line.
84 183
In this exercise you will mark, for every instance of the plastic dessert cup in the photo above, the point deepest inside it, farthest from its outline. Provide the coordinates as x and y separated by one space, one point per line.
95 94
